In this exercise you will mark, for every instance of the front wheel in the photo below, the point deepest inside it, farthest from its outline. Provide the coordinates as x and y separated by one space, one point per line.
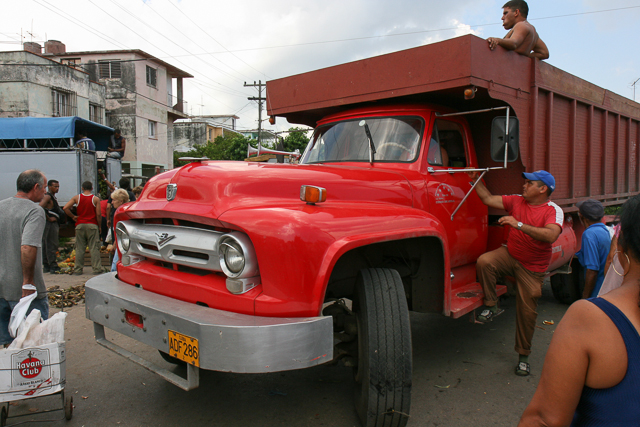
383 372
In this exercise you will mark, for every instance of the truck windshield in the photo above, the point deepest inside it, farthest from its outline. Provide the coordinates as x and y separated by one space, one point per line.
396 139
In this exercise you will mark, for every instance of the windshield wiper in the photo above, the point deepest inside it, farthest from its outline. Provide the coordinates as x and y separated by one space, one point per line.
372 146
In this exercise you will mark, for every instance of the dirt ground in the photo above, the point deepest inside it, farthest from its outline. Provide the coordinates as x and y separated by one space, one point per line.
463 375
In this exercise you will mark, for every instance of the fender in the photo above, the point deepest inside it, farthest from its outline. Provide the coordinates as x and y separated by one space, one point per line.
313 238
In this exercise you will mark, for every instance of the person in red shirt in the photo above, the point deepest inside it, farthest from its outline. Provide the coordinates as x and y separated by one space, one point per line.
103 228
536 223
88 223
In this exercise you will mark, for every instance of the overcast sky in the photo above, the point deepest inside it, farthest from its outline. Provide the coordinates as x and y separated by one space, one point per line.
224 44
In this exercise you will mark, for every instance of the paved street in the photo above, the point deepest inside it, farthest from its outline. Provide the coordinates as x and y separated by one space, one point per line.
463 376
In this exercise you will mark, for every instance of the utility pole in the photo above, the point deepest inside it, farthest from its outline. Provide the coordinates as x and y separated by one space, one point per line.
259 85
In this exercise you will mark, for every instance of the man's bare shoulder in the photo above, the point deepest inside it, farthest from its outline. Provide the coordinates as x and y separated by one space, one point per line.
522 27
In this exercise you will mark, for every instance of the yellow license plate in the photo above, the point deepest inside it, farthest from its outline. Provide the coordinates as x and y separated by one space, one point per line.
184 347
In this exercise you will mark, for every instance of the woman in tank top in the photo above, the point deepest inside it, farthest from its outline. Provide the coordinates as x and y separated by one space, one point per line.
591 373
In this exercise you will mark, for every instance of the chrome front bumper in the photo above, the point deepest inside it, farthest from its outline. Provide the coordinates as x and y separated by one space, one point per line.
228 341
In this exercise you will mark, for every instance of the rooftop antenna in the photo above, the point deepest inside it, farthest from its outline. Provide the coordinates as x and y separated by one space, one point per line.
634 88
201 104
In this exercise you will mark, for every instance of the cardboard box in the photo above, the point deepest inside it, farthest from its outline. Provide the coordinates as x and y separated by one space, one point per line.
32 372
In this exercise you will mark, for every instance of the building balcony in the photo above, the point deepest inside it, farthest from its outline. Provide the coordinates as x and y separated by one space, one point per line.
177 106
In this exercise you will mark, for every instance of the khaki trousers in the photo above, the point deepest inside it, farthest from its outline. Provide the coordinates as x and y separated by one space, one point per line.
88 235
495 264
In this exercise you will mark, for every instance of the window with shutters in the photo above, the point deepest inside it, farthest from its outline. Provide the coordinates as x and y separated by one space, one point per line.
152 76
110 69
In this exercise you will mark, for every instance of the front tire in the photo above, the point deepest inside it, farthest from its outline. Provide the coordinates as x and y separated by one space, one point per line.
383 372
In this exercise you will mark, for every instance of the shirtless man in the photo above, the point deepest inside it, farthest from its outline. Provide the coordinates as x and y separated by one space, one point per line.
522 36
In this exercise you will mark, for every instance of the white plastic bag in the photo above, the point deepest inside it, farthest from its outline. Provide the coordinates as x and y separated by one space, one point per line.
33 319
19 312
36 334
109 238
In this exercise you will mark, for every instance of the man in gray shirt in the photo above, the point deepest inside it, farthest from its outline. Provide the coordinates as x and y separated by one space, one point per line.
22 222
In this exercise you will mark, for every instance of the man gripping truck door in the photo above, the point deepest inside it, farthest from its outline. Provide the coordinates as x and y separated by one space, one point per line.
537 223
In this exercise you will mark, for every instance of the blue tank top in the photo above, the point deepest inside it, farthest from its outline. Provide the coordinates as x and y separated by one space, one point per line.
618 405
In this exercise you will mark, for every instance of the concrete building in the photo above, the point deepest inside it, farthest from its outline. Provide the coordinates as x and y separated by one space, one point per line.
143 99
201 129
227 121
35 86
268 138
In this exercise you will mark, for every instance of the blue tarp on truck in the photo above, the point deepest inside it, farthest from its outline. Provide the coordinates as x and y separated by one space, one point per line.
50 132
47 144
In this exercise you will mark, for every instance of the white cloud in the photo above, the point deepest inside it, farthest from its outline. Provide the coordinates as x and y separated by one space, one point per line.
322 33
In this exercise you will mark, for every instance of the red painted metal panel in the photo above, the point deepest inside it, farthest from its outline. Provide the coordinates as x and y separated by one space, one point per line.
540 144
633 155
623 155
586 135
597 157
581 157
610 150
440 66
559 157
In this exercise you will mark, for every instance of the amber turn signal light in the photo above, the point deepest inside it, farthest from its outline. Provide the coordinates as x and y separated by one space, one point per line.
470 93
312 194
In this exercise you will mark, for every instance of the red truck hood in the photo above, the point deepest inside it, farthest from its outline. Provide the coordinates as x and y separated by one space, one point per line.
216 187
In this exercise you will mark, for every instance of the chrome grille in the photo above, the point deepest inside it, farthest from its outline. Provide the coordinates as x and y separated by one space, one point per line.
187 246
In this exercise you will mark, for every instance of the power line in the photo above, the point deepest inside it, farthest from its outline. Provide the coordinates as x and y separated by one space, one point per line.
194 42
341 40
411 32
162 35
221 45
84 27
161 50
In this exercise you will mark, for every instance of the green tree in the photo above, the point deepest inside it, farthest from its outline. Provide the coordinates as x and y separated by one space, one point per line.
296 139
231 146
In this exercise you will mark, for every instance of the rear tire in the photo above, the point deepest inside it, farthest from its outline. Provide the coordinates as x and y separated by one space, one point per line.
567 288
383 372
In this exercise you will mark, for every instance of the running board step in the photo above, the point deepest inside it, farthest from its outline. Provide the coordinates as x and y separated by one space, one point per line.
469 297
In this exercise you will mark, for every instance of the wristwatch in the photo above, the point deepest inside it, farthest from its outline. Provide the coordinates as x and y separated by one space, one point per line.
520 225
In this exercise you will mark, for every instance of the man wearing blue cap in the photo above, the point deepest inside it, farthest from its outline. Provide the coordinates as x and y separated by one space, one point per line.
536 223
595 245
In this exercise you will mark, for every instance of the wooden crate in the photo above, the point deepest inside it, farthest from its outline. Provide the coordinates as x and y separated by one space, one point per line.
104 259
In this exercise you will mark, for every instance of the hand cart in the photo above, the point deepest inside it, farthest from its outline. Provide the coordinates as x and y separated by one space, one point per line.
33 372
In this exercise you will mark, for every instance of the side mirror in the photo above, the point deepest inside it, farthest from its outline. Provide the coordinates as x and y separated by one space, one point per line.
498 139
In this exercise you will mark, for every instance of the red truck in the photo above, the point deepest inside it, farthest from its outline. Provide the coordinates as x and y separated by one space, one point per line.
248 267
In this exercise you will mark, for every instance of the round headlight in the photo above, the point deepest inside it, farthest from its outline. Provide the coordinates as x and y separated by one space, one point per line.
123 238
231 258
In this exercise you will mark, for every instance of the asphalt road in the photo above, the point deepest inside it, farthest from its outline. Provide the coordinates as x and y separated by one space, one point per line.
463 376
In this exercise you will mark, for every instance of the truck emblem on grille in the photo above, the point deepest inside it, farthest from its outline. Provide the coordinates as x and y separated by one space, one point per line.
164 238
171 191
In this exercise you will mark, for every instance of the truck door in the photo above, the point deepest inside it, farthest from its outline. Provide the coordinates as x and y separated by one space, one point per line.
449 152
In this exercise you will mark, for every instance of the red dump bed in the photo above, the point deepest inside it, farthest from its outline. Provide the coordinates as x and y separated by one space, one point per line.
586 136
